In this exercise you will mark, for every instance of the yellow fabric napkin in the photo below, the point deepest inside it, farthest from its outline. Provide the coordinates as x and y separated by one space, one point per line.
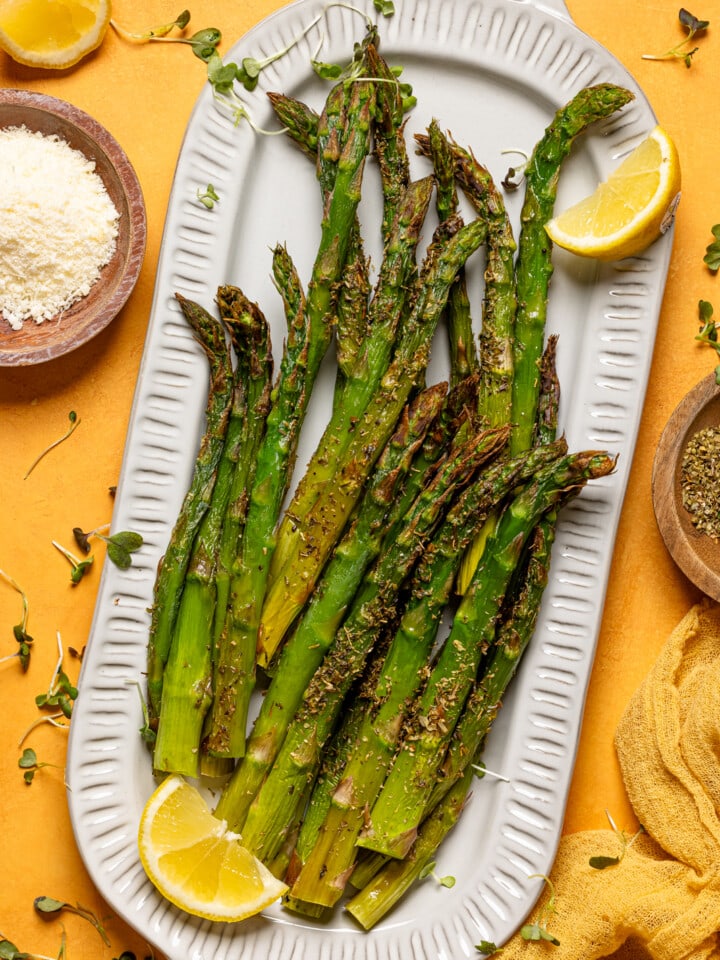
662 900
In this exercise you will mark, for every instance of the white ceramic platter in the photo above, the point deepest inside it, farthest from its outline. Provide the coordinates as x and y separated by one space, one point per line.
493 72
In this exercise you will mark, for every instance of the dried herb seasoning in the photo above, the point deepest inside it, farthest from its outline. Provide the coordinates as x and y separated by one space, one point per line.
700 480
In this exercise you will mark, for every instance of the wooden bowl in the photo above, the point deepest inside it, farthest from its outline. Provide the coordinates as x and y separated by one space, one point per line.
697 554
36 343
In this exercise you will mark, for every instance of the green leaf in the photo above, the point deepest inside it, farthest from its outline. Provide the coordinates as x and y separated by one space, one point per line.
326 71
119 555
251 66
712 252
691 22
384 7
600 863
487 947
28 759
204 42
8 951
49 905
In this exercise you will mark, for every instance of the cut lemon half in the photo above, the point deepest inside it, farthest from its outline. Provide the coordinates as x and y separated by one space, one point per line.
196 862
629 210
52 33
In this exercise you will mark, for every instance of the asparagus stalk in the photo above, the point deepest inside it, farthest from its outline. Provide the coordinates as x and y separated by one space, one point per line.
300 121
360 379
293 584
305 348
400 807
534 263
250 337
331 859
305 649
298 760
174 563
187 688
396 877
463 352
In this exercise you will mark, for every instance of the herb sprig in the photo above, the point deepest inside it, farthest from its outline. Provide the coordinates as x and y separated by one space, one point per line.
712 251
74 424
709 331
539 930
120 546
23 638
693 26
50 907
30 765
61 693
602 862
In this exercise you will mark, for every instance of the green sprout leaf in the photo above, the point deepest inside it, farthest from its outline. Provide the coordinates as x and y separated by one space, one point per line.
20 634
603 862
327 71
708 333
384 7
147 731
30 764
74 423
538 930
61 692
120 545
487 947
8 951
429 871
693 26
50 907
208 197
712 252
79 567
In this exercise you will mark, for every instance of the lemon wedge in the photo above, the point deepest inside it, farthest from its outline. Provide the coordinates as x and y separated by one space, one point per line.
196 862
629 210
52 33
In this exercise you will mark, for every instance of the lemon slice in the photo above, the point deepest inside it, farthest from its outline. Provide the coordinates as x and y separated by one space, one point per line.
196 862
628 211
52 33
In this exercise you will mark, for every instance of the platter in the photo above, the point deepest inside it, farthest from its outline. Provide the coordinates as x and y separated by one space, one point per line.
493 73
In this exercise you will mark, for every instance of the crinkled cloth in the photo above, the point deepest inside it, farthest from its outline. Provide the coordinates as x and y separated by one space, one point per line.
662 901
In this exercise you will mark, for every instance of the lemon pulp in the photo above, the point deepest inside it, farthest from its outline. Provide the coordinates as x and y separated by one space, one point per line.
52 33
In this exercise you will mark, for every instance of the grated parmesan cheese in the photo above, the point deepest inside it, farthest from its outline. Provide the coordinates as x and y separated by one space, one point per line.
58 226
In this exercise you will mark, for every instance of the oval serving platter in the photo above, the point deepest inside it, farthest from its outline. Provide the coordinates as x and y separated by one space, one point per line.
493 72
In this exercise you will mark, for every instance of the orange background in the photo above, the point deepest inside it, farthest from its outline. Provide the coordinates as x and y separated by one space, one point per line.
143 95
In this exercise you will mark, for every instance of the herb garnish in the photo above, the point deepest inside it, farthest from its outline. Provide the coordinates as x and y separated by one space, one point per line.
708 331
74 422
79 567
30 764
693 26
120 545
601 862
20 633
487 947
712 252
50 907
61 692
539 930
203 42
429 871
208 197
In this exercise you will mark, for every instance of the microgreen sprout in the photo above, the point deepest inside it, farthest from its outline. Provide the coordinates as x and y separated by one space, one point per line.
50 907
120 546
20 633
61 693
429 871
208 197
515 174
203 42
482 771
601 862
693 26
538 930
712 252
54 719
709 331
30 764
79 567
147 731
74 423
8 951
487 947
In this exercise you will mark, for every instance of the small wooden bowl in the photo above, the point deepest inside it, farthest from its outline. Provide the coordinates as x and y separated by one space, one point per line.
36 343
697 554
